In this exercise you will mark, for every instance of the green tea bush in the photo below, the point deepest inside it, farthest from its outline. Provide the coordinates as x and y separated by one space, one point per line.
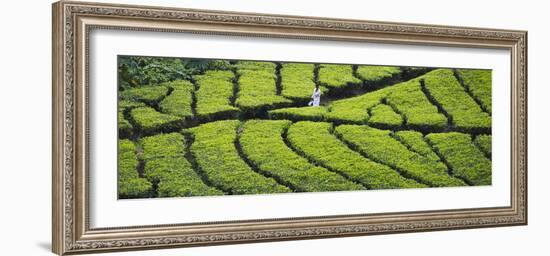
125 128
464 158
479 84
166 165
384 116
299 114
297 81
415 142
355 110
380 146
314 140
162 145
149 94
126 104
214 95
419 113
215 152
263 145
484 143
130 185
257 86
150 121
337 76
179 102
373 76
463 110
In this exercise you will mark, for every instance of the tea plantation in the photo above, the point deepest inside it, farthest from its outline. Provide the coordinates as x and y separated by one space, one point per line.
211 128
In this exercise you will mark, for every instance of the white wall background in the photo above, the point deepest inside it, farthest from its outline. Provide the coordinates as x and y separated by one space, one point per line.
25 140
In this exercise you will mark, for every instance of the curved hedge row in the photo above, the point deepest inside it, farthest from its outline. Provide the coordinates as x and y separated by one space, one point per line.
415 142
484 143
215 90
465 159
297 81
166 165
257 86
384 116
419 113
179 102
150 94
380 146
374 76
337 76
315 140
130 185
215 152
479 83
463 110
150 121
299 114
263 145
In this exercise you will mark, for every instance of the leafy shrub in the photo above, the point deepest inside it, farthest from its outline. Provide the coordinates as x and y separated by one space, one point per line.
214 94
150 121
299 114
148 94
263 144
176 178
463 110
384 116
375 75
415 142
484 143
257 86
130 185
135 71
337 76
465 159
419 113
354 109
125 128
479 83
165 164
162 145
179 102
125 104
380 146
314 140
297 81
216 154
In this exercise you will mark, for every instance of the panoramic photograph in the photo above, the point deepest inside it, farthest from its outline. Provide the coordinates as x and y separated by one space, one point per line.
192 127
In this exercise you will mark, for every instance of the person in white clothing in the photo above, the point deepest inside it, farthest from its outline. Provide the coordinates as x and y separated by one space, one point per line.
316 96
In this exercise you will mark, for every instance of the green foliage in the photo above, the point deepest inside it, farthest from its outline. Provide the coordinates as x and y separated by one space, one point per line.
162 145
130 185
148 94
262 143
384 116
419 113
299 114
179 102
415 142
214 94
376 74
463 110
125 128
314 140
165 164
135 71
219 65
150 121
125 104
354 109
484 143
478 82
297 81
216 154
464 158
337 76
257 86
380 146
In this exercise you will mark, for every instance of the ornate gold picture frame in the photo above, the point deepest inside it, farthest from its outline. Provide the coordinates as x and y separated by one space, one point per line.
72 24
